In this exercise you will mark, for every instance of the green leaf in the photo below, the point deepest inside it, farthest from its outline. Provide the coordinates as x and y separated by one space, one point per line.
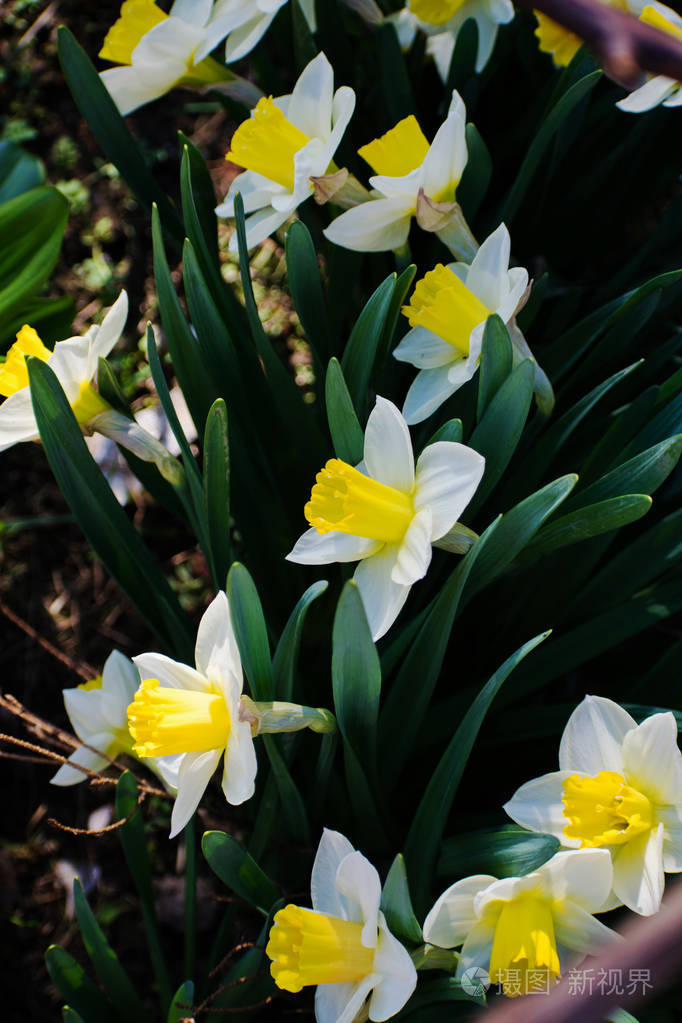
400 289
250 631
305 285
356 676
19 171
551 124
293 806
111 974
347 436
34 221
134 845
364 343
101 517
188 366
610 446
397 904
181 1005
395 81
99 110
515 529
422 660
217 489
500 429
642 474
508 851
238 870
496 362
586 522
450 431
286 654
477 174
424 838
74 985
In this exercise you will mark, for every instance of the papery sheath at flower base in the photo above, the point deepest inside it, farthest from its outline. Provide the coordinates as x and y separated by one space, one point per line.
412 179
287 147
619 786
200 715
386 513
526 931
155 52
343 944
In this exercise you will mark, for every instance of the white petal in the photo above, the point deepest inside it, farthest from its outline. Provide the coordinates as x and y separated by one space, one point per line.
71 362
358 881
260 226
374 226
194 775
382 598
130 87
326 898
538 805
340 1003
169 672
582 876
342 111
255 190
675 98
397 976
452 916
194 12
313 548
110 330
652 761
169 44
120 680
243 39
487 34
216 653
447 156
17 419
593 737
671 818
308 9
239 774
638 879
431 387
446 479
388 448
514 288
310 105
477 946
67 775
414 553
648 95
167 769
86 712
424 349
487 276
441 47
578 930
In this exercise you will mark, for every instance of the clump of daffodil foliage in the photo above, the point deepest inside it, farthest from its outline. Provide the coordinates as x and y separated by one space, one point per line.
443 588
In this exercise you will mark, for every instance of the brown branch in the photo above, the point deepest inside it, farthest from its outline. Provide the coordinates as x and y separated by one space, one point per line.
625 46
81 668
99 831
652 946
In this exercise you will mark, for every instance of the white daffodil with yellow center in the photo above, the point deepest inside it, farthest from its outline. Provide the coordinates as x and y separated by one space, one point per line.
659 88
199 715
525 931
447 314
247 21
385 513
619 787
287 147
412 179
343 944
74 362
441 20
155 52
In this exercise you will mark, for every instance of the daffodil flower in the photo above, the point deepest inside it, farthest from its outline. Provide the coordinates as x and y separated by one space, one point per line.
659 88
412 179
98 714
287 148
200 715
74 361
247 21
619 787
155 52
520 928
386 514
447 314
562 44
442 20
343 944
